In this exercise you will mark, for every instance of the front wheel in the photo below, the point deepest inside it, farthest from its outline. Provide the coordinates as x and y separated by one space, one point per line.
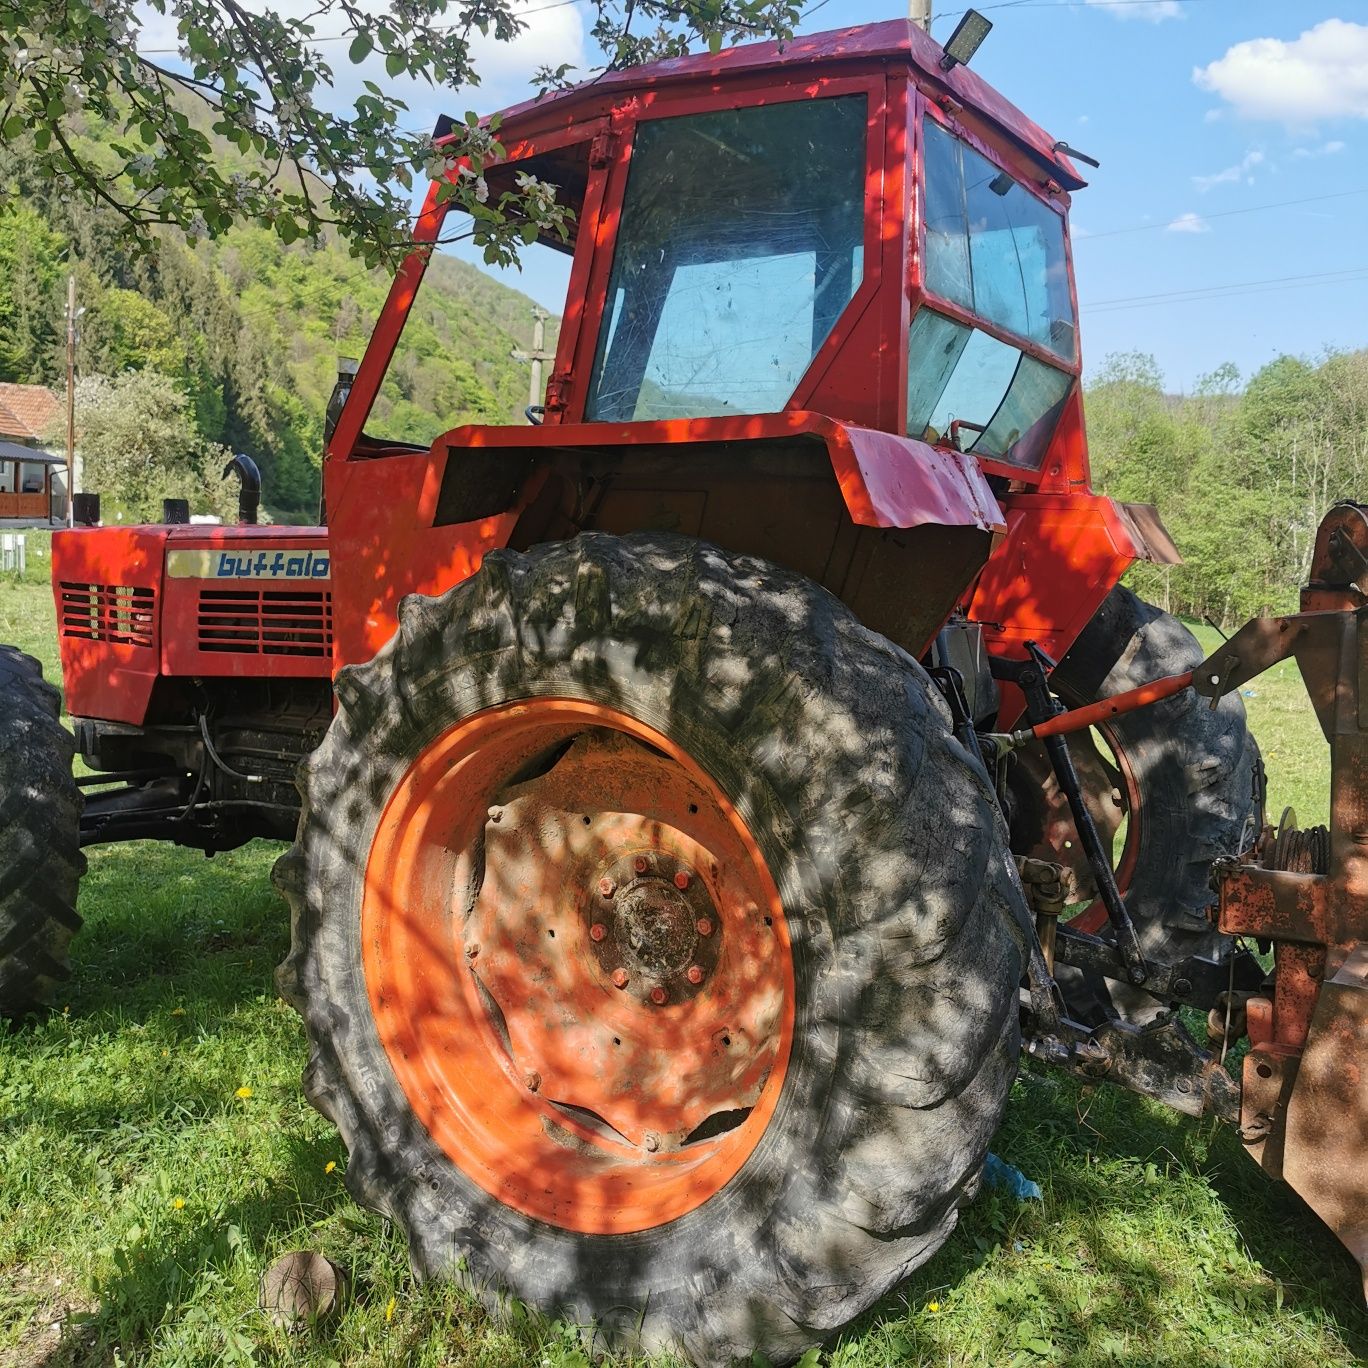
40 857
657 945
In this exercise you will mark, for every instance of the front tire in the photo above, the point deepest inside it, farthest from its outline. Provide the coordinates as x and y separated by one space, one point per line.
501 836
40 858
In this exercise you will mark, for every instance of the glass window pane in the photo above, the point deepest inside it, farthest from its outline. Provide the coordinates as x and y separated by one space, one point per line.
740 245
947 229
1009 402
1016 267
1021 429
976 387
934 347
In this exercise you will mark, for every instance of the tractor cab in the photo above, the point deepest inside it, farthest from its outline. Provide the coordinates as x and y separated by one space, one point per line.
837 224
842 259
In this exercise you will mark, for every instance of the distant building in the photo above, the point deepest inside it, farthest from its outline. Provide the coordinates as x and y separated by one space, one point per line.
32 478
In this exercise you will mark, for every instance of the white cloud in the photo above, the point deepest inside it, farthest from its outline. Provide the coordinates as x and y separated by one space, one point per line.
1241 171
1188 223
1323 74
1324 150
1156 11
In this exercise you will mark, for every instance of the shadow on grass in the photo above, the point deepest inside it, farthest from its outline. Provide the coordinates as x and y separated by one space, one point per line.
1157 1242
163 922
1136 1257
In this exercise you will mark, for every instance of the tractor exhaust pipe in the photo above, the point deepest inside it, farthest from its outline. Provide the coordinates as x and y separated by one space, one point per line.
249 486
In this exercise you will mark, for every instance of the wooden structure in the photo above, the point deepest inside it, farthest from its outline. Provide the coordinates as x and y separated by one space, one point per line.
26 481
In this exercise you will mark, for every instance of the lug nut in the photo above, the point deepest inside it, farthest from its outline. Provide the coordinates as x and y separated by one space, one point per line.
682 880
695 974
533 1080
620 977
703 926
641 864
597 931
650 1141
606 887
659 996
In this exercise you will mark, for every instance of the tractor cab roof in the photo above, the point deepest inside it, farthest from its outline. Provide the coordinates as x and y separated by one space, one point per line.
894 43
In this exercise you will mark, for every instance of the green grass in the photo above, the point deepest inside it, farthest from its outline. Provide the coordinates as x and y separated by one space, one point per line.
1294 749
141 1196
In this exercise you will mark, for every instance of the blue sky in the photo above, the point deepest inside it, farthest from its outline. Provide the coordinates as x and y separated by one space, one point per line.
1202 112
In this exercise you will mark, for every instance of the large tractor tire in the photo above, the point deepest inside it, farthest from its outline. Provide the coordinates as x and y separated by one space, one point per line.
40 858
1185 777
657 945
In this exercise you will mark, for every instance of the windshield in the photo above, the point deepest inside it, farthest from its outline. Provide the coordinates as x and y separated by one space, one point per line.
993 247
741 242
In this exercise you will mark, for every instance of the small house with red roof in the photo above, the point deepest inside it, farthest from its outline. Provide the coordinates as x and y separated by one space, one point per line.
28 489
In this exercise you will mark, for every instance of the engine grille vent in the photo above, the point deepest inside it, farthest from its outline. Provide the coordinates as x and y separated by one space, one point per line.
279 622
119 614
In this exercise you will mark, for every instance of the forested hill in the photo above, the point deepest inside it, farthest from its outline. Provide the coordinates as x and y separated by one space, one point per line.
251 330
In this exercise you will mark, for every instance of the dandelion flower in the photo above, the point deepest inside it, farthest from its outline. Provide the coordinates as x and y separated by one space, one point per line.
178 1204
933 1307
244 1092
178 1011
329 1166
389 1311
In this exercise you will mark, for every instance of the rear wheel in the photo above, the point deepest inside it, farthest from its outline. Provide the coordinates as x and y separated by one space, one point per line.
40 859
1173 786
657 945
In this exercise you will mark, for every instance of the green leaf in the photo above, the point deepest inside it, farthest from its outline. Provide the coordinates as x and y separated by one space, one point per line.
811 1359
395 63
361 47
13 126
715 43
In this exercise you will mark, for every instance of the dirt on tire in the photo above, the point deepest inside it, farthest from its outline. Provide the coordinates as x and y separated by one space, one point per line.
908 932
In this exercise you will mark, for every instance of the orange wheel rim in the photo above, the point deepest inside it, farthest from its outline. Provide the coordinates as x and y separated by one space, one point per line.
578 965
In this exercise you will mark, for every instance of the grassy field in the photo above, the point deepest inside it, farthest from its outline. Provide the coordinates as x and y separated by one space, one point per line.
156 1154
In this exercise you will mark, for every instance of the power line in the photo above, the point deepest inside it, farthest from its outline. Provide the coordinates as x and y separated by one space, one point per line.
1202 294
1222 213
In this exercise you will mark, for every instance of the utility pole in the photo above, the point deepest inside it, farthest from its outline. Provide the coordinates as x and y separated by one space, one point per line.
919 12
71 402
537 355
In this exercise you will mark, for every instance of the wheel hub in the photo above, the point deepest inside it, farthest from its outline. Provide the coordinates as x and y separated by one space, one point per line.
652 917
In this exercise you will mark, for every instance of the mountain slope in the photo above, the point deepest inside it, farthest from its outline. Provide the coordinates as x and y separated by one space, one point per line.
252 329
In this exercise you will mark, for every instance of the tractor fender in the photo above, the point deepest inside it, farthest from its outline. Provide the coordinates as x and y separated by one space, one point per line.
861 512
886 480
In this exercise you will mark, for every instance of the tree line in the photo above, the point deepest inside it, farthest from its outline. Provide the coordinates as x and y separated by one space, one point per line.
1241 474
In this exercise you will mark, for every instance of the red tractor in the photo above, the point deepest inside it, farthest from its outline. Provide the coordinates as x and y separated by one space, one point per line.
657 929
